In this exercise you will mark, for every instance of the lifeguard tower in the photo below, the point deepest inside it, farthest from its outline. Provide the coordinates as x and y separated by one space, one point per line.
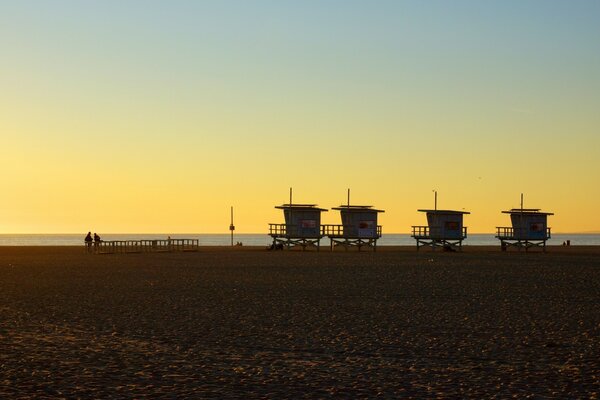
529 229
358 229
444 228
302 226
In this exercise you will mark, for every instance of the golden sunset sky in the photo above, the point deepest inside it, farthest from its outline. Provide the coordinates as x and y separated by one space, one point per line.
157 116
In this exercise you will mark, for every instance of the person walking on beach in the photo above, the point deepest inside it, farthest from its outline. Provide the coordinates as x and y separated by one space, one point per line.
97 241
88 242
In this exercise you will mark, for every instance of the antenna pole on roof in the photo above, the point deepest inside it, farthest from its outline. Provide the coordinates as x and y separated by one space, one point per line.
521 202
286 228
348 197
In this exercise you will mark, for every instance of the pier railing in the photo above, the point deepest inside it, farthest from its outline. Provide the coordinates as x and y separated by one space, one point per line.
146 246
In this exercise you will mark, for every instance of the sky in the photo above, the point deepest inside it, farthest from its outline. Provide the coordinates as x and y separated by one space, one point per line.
158 116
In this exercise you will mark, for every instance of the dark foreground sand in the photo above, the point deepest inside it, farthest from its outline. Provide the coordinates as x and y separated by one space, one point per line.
247 323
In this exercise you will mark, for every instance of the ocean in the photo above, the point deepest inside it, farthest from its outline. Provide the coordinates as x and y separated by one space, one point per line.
259 239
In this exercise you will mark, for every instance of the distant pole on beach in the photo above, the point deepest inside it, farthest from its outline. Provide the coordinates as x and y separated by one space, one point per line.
231 226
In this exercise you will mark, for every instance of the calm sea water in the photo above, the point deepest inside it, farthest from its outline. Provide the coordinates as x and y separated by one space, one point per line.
265 240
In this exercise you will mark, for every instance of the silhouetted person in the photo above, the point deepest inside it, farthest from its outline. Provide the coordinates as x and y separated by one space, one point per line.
97 241
88 242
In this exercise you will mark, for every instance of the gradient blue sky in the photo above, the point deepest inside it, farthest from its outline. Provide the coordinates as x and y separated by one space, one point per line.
156 116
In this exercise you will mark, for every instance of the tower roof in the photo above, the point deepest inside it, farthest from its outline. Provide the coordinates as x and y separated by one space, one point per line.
527 211
352 208
299 207
444 211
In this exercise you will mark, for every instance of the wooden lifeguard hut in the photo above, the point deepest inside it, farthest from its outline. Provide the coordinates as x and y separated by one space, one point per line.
529 228
358 229
302 226
444 228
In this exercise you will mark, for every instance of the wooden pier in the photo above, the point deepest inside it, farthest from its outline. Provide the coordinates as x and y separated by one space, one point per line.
146 246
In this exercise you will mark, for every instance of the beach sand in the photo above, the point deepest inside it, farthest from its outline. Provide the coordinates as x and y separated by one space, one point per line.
248 323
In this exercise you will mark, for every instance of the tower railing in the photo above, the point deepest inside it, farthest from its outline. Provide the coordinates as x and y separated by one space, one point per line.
427 232
350 231
512 233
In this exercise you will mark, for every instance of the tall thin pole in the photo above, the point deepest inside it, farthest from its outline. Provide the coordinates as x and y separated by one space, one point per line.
521 202
348 198
522 216
231 226
291 220
435 200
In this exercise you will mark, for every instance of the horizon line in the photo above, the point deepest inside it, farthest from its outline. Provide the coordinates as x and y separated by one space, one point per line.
249 233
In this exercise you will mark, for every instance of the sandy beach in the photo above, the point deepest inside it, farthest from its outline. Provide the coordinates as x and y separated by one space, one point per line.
248 323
